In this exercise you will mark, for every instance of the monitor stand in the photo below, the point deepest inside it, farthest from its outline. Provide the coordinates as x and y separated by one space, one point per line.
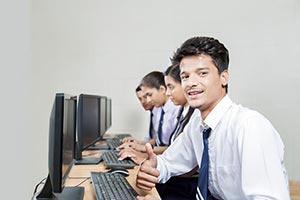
68 193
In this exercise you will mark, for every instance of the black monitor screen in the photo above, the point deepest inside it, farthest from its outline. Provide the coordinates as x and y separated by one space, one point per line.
69 131
88 120
62 132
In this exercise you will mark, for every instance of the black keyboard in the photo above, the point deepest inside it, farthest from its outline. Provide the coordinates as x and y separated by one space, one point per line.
124 135
110 159
112 186
114 143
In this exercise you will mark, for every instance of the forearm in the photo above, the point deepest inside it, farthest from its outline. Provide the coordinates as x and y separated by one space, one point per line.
159 150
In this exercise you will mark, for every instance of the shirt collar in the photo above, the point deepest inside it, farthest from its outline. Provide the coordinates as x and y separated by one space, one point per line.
168 105
215 116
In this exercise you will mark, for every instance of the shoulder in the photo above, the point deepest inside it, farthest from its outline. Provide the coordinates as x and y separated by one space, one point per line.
248 123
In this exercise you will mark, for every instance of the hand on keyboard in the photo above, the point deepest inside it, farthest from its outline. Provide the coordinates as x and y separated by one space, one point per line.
134 145
134 155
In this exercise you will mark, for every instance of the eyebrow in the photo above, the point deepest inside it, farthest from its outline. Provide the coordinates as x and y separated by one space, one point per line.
198 69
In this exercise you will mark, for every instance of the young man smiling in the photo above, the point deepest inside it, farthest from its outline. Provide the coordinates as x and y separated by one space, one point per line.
239 153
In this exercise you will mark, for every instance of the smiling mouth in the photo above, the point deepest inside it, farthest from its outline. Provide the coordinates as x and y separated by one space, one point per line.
193 93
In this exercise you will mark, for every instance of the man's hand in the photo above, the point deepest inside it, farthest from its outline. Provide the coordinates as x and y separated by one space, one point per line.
134 155
128 139
147 176
134 145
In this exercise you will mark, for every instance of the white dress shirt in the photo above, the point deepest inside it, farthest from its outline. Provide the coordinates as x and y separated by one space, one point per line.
155 115
169 121
196 114
245 154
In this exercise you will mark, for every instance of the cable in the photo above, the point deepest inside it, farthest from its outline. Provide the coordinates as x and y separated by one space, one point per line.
78 177
82 181
36 187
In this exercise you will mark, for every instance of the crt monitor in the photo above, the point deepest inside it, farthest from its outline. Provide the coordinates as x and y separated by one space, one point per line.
108 113
88 128
62 132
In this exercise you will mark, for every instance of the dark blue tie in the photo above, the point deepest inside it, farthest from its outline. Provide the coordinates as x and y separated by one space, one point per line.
150 126
180 120
159 131
202 190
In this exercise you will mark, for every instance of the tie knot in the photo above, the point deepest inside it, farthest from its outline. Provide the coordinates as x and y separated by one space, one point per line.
206 133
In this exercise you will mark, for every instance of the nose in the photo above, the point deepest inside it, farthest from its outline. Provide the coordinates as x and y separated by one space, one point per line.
148 99
168 92
192 81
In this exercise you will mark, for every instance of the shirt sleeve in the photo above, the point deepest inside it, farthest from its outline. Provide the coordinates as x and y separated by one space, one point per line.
263 175
178 159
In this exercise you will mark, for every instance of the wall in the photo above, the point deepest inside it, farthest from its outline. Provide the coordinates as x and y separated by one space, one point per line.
105 47
17 136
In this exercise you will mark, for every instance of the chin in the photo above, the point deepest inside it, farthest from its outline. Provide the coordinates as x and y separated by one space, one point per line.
194 103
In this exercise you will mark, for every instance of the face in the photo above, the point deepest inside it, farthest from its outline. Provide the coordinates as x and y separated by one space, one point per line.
175 91
202 84
143 99
156 97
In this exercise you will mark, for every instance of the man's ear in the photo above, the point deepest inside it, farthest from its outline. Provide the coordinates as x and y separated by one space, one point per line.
162 89
224 78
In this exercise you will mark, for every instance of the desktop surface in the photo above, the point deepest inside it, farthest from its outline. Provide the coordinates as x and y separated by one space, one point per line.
82 173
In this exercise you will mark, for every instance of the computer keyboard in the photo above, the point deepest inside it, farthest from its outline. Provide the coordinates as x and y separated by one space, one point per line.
114 143
112 186
110 159
124 135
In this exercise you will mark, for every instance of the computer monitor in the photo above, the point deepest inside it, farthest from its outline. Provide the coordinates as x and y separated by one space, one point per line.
62 132
103 116
108 113
88 127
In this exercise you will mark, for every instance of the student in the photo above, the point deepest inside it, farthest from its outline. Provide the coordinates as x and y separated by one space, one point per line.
184 186
175 93
153 85
239 153
153 112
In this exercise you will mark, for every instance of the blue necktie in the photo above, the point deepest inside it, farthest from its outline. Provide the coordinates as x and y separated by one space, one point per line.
202 190
159 131
150 126
180 120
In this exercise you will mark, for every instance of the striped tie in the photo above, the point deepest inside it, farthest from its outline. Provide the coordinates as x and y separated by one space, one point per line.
202 190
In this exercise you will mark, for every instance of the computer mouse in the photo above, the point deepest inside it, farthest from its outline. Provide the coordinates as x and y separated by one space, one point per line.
122 171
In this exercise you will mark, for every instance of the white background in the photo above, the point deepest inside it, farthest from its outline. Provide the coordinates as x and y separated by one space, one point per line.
106 47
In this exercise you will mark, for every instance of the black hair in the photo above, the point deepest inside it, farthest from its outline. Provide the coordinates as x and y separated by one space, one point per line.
174 72
207 46
185 120
138 88
153 79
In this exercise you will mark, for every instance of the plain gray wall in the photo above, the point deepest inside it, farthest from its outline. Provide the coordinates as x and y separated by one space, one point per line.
105 47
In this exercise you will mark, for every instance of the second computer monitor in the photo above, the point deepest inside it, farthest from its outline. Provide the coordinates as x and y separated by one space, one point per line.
103 127
89 130
108 113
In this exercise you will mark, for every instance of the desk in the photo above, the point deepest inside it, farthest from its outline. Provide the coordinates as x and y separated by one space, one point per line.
80 173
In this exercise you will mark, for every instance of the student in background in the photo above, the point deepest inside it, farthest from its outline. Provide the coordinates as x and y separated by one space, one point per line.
239 153
184 186
154 87
154 111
